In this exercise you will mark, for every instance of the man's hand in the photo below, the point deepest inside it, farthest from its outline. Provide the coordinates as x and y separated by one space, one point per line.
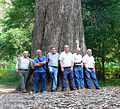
88 70
94 70
62 69
17 71
71 69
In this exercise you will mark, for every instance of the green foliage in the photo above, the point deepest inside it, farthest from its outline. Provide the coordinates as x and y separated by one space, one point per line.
8 75
19 14
14 41
102 30
101 19
109 82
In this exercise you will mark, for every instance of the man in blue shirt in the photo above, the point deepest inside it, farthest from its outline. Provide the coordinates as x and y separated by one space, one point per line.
40 72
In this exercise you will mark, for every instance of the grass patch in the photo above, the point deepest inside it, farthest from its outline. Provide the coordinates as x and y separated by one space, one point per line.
8 74
109 82
9 79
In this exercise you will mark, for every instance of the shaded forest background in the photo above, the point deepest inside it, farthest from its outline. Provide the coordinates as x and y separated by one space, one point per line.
101 20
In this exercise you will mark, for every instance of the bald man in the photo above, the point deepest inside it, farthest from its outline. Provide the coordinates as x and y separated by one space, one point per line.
67 63
78 69
40 72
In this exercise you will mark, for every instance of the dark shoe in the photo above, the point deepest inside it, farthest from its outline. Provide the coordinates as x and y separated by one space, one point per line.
98 88
72 89
53 90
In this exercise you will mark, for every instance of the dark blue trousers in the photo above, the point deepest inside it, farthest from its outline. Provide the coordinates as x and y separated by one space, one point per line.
67 72
79 80
37 77
94 78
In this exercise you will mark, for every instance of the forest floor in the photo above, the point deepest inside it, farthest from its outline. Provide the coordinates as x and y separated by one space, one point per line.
105 98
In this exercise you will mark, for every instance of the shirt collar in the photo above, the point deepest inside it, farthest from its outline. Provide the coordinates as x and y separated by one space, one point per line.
54 53
77 54
39 57
88 55
24 57
66 53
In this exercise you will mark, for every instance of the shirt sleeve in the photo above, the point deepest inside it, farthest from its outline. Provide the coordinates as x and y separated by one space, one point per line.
17 65
47 57
93 60
35 61
84 59
60 57
72 58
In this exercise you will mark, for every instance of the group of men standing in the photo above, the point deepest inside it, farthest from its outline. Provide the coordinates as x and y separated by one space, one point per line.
71 66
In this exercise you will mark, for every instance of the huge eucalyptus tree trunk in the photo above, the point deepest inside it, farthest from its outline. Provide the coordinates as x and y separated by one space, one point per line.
58 22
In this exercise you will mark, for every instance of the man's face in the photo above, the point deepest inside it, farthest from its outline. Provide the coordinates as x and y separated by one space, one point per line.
39 53
25 55
89 53
66 49
53 50
77 51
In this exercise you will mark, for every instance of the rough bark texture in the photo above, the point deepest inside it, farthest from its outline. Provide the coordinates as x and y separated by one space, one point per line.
58 22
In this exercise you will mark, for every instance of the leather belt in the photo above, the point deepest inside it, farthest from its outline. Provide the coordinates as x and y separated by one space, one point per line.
54 66
24 69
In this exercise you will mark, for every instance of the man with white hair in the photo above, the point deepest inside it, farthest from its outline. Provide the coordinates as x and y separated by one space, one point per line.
67 63
22 67
89 64
40 71
78 69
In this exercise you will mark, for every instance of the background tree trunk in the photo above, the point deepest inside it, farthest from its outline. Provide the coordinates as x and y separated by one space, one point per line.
57 22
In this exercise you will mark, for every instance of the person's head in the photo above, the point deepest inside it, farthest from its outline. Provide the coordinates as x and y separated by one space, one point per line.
53 50
89 52
77 50
66 48
25 54
39 53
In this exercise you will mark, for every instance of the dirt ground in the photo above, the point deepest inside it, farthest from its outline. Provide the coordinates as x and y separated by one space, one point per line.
105 98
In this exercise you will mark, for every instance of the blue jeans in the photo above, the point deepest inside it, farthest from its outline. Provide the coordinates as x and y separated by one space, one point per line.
53 74
67 72
37 77
94 78
79 80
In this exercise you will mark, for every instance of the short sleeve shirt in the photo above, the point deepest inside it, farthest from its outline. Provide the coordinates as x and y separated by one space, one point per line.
24 63
40 68
89 61
66 59
77 58
52 59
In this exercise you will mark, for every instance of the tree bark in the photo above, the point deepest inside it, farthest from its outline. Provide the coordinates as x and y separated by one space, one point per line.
58 22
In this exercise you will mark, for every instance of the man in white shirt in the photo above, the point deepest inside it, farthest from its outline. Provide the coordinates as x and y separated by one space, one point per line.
67 63
52 59
22 67
78 69
89 64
